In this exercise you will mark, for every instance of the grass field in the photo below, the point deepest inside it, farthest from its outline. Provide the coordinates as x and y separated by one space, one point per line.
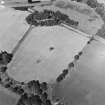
48 50
89 20
7 97
85 85
35 60
12 27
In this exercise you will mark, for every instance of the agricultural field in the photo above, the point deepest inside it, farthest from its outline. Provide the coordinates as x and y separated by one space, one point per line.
7 97
46 51
85 84
35 59
49 49
12 27
89 20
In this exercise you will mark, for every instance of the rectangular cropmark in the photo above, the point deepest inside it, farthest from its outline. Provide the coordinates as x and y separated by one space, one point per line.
34 59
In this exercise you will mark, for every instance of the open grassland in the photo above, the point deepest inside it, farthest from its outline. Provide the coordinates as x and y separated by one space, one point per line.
89 20
7 97
48 50
36 60
12 27
85 84
99 7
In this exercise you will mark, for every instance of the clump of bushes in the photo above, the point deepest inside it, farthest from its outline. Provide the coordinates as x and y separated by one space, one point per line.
49 18
36 95
70 66
77 0
62 75
100 9
101 31
92 3
32 93
5 57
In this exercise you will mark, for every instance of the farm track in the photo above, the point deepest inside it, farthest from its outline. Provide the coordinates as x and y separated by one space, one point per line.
22 39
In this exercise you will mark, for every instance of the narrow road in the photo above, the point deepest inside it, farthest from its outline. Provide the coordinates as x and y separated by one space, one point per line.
75 30
95 37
